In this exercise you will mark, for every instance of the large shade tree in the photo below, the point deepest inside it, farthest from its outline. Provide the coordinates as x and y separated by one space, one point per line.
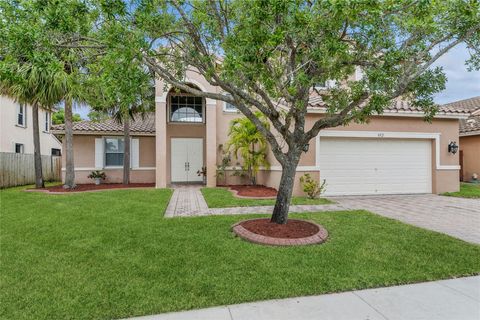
268 54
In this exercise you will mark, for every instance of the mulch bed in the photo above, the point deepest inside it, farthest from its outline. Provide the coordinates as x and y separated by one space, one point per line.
257 191
291 230
293 233
94 187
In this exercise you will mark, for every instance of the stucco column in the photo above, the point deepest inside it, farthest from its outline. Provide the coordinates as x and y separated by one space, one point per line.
211 142
161 143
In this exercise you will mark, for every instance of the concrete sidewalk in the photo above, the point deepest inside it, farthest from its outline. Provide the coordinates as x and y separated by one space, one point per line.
455 299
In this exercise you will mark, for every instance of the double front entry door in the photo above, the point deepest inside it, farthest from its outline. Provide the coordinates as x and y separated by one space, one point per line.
186 159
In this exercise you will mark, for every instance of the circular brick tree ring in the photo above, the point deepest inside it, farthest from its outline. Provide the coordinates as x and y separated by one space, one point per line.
319 237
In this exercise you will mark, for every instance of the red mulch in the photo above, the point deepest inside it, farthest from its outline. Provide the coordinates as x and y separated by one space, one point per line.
254 191
103 186
293 229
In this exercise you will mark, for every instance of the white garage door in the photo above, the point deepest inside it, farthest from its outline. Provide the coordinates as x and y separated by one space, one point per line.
375 166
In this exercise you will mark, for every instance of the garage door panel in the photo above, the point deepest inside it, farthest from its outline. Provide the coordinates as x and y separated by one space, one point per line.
393 179
375 166
361 173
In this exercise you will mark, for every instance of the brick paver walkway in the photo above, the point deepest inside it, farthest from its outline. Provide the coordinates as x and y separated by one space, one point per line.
187 200
457 217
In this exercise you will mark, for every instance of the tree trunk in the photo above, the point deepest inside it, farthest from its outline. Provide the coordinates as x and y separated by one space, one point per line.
126 151
251 171
36 149
285 189
69 162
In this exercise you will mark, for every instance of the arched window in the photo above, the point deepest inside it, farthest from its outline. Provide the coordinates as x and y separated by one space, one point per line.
186 108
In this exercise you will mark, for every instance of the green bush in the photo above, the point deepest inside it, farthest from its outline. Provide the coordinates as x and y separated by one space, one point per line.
311 187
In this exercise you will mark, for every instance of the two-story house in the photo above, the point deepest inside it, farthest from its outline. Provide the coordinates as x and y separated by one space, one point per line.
395 153
16 129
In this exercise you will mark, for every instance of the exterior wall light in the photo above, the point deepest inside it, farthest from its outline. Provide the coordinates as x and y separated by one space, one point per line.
452 147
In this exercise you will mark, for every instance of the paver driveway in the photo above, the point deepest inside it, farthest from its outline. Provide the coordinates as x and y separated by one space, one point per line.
457 217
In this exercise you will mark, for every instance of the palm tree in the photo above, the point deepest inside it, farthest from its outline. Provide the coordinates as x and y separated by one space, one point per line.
38 82
247 141
123 88
35 35
123 115
69 162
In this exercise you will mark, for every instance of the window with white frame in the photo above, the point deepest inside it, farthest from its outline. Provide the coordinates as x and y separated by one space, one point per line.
321 85
327 84
114 148
228 107
19 148
47 121
21 112
186 109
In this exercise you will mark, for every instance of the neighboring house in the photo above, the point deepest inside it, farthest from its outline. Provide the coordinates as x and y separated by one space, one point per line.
16 129
469 137
397 152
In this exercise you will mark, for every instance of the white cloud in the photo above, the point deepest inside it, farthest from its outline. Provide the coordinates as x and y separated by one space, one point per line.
461 84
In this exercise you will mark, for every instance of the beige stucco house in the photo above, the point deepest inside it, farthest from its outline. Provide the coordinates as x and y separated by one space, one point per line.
16 135
469 137
395 153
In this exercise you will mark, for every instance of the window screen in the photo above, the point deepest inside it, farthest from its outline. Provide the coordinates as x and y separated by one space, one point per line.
114 152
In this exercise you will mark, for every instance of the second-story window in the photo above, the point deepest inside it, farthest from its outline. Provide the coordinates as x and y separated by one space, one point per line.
19 148
228 107
21 110
321 85
186 109
47 121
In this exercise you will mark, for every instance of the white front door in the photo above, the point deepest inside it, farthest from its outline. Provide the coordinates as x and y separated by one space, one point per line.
375 166
186 159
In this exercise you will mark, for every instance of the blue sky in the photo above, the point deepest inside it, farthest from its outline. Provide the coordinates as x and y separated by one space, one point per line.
461 83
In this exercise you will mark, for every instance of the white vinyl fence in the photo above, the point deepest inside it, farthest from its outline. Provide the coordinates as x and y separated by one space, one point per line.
17 169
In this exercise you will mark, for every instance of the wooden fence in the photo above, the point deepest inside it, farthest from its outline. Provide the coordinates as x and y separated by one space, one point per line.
17 169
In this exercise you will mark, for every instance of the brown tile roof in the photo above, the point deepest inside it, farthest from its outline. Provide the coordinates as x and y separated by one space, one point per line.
139 125
470 126
470 105
397 106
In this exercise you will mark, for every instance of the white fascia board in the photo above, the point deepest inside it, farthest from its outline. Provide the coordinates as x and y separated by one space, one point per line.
467 134
411 114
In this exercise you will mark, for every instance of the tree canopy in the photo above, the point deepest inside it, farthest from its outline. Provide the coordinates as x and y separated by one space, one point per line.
58 117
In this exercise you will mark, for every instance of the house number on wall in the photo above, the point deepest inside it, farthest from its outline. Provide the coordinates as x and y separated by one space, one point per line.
381 135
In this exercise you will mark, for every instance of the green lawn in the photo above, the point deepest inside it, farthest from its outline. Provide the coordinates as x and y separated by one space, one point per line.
467 190
112 255
223 198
